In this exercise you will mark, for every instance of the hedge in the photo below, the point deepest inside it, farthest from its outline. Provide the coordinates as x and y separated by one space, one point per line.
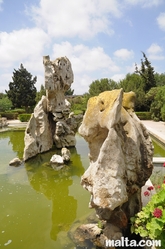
144 115
9 115
24 117
17 110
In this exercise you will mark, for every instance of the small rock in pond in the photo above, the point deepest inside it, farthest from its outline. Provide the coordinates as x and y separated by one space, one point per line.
65 154
57 159
15 162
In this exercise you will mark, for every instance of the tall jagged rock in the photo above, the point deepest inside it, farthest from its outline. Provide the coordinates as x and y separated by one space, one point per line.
51 122
120 158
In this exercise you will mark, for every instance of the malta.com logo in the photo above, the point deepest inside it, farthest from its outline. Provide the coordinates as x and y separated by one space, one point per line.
125 242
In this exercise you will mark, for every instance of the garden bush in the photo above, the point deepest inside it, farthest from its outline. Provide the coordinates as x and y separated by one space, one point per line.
17 110
144 115
9 115
24 117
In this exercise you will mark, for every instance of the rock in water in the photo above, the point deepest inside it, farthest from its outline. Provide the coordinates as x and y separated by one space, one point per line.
15 162
50 123
57 159
65 154
120 157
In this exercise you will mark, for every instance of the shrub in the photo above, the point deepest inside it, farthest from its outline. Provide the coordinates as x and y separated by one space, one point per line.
76 112
18 110
150 222
9 115
144 115
24 117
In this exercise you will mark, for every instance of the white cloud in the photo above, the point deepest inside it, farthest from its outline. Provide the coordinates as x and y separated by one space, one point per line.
81 83
144 3
4 77
21 45
154 49
83 18
118 77
161 21
155 52
88 64
124 54
84 58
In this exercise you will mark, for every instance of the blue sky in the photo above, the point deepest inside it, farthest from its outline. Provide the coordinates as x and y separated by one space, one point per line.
101 38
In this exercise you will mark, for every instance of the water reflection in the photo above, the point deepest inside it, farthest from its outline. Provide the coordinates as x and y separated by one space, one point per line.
15 139
55 186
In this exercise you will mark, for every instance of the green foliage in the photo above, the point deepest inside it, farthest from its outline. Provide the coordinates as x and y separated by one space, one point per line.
40 93
158 103
22 91
98 86
5 104
18 110
100 224
144 115
160 79
147 73
69 92
79 103
24 117
133 82
150 222
9 115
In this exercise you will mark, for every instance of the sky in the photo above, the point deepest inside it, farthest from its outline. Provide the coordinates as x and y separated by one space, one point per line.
101 38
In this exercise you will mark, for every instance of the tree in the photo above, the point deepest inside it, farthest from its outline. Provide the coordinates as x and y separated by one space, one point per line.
98 86
22 91
40 93
158 103
69 92
5 103
133 82
147 73
160 79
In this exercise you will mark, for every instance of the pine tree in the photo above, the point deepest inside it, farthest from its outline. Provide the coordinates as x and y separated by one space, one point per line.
22 91
147 73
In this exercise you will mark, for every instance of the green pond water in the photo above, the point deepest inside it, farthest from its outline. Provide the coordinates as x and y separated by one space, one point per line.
38 205
158 175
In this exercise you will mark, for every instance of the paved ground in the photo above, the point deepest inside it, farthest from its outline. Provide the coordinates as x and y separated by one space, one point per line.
16 123
156 129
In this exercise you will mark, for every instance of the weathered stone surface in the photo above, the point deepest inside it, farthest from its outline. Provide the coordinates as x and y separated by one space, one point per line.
3 122
58 79
85 234
65 154
38 134
120 156
15 162
57 159
64 136
50 123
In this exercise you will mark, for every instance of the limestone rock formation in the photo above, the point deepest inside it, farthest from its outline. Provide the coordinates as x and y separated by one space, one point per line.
50 123
3 122
65 154
120 157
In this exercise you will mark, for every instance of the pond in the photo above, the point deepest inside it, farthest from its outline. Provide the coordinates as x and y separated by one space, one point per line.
158 175
38 204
